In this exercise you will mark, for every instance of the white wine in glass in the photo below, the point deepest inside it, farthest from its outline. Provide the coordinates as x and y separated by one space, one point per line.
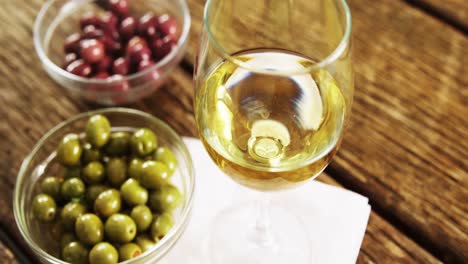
274 87
270 131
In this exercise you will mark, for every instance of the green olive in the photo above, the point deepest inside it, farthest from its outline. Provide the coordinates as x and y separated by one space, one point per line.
154 174
145 242
70 212
129 251
90 154
142 216
93 191
165 199
133 193
73 172
44 207
69 150
167 157
143 142
98 130
89 229
72 188
120 228
75 252
103 253
116 171
161 225
108 203
135 168
51 186
94 172
67 238
118 144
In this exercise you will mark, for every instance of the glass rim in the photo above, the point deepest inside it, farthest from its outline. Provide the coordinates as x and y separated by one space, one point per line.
40 50
164 244
329 59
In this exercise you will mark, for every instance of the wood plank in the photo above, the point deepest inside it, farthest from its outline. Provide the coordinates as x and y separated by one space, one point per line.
32 104
10 252
6 255
404 146
382 238
454 11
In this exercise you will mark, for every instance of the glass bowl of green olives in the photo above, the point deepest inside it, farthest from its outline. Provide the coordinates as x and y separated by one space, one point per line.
108 186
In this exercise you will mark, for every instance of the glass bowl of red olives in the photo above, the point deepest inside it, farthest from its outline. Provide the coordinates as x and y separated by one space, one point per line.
111 52
108 186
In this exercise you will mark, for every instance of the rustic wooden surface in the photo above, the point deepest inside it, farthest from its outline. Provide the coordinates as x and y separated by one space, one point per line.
404 148
6 256
383 243
455 11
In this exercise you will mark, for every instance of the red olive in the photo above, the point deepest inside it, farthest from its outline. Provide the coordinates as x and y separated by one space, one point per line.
96 86
72 43
147 26
145 64
118 7
80 68
121 87
108 23
128 27
139 53
162 47
120 66
101 75
133 42
120 84
168 26
89 19
113 47
153 75
92 32
103 65
69 58
92 50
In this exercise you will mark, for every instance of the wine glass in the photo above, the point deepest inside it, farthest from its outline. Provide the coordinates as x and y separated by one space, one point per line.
274 87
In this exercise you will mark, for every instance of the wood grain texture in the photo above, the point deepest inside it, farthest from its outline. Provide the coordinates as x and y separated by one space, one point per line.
382 238
173 105
6 256
32 104
405 147
454 10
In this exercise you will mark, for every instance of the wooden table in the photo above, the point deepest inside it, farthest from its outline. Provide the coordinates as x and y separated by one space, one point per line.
406 147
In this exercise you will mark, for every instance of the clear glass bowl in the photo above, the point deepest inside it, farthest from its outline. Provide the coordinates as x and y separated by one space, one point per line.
38 164
60 18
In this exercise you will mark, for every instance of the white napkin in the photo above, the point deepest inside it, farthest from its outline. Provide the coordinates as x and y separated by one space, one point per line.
336 218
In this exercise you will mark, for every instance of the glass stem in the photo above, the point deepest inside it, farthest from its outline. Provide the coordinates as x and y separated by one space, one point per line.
261 233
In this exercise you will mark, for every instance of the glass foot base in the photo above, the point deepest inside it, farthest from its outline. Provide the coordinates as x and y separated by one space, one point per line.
236 237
